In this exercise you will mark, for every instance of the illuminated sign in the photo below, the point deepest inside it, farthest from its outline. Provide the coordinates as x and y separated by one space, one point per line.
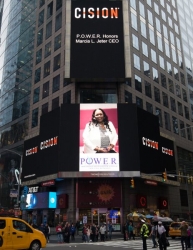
48 183
150 143
98 138
96 12
31 151
163 203
33 189
167 151
153 183
141 201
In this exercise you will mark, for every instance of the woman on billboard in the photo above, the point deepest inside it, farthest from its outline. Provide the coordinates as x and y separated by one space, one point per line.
99 135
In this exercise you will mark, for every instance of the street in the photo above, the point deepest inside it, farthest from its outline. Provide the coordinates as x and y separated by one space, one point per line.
117 243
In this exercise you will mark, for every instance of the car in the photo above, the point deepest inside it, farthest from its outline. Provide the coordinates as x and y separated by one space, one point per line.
174 230
17 234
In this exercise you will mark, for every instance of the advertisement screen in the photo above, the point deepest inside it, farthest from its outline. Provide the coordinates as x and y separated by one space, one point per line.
52 200
97 47
98 144
41 200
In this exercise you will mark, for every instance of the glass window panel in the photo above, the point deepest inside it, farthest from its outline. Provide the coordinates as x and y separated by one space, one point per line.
161 62
158 113
36 95
143 29
146 69
170 22
174 55
45 108
145 49
135 41
169 68
57 42
165 99
42 2
189 132
150 17
176 74
47 69
165 30
141 9
153 56
56 62
175 125
139 102
186 112
172 38
149 2
182 129
156 8
136 61
176 28
40 37
58 4
56 83
167 121
151 36
34 118
47 49
184 94
168 8
49 29
38 56
58 23
133 21
167 49
149 107
171 85
67 97
163 80
128 97
162 3
37 75
50 10
55 103
157 94
148 89
45 91
138 83
180 110
41 18
159 42
173 104
155 75
178 91
163 15
158 26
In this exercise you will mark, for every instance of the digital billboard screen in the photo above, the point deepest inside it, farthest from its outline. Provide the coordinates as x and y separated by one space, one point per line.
97 46
41 200
98 142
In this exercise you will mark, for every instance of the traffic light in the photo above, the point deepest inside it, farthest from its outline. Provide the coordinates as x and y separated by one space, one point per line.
164 176
132 183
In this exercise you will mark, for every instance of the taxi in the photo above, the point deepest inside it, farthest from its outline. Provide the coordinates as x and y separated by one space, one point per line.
17 234
174 230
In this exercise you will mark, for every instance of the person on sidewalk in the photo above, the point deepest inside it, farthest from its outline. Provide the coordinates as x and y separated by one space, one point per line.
47 233
102 232
144 234
162 240
72 231
130 231
110 230
184 234
59 233
153 234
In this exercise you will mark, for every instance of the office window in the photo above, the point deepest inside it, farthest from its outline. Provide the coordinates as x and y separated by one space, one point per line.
165 30
176 74
176 28
36 95
128 97
173 104
149 2
136 61
37 76
182 78
145 49
168 8
169 68
57 42
143 29
153 56
139 102
58 23
167 49
148 89
134 21
178 91
178 43
56 83
165 99
133 4
186 111
138 83
171 85
150 17
159 42
163 81
55 103
170 22
58 4
174 57
149 107
155 75
49 29
56 62
41 18
161 62
189 132
34 118
162 3
47 69
175 125
156 8
45 91
40 37
45 108
47 50
42 2
146 69
182 129
180 110
50 10
167 121
163 14
158 113
67 97
141 10
158 25
157 94
135 41
184 94
38 56
151 36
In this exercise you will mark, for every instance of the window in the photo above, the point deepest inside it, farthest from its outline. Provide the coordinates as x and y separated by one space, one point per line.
45 91
156 8
58 23
153 56
161 62
151 36
184 198
180 110
163 14
58 4
133 4
138 84
175 125
56 62
67 97
176 74
169 68
182 129
57 42
148 89
55 103
134 21
173 104
136 61
149 2
189 131
165 99
38 56
50 10
42 2
34 118
141 9
167 49
174 55
157 94
178 92
143 29
149 107
41 18
47 69
150 17
145 49
158 113
163 81
37 75
186 111
171 85
56 83
139 102
47 49
167 121
146 69
45 108
159 42
135 41
40 37
36 95
49 29
158 26
155 75
182 79
165 30
184 95
128 97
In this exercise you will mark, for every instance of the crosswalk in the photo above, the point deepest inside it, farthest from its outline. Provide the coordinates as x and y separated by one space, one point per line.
136 244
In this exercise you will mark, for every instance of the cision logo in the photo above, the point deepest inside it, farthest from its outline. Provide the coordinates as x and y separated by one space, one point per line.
96 12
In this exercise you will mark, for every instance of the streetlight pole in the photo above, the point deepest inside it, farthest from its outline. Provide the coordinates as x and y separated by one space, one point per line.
20 171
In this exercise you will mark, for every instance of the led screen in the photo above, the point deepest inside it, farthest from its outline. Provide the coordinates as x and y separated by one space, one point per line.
98 144
52 200
41 200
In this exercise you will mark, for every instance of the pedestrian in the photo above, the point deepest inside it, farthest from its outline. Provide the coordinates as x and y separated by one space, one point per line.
42 228
102 232
93 233
47 232
130 231
77 227
110 230
184 234
72 231
96 233
59 233
161 233
88 233
144 234
125 231
153 234
84 233
67 233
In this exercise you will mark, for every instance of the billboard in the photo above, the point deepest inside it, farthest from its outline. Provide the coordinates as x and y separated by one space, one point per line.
97 46
98 141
